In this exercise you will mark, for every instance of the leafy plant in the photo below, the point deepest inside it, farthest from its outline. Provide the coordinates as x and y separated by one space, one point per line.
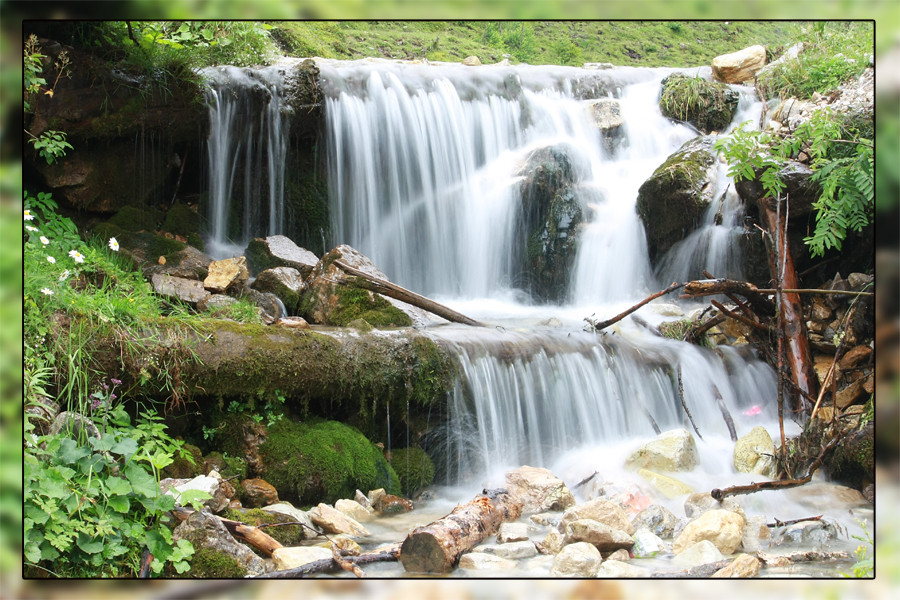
864 566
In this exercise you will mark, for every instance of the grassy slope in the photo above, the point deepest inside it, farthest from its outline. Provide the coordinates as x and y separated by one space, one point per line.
645 43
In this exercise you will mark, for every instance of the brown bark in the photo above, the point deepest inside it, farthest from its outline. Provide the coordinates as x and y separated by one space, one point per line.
436 547
386 288
711 287
246 533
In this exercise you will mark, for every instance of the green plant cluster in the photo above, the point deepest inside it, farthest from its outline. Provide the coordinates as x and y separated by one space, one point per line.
414 468
324 461
708 105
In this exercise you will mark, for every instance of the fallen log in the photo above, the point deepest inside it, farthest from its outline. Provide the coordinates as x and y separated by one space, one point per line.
604 324
436 547
386 288
330 565
246 533
725 287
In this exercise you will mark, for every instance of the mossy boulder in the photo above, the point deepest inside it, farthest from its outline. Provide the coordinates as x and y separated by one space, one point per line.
672 201
207 563
284 282
143 247
287 535
186 465
278 251
414 468
708 106
312 462
131 218
182 220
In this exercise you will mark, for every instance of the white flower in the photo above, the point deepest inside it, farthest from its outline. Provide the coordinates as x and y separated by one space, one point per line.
76 256
64 275
47 291
30 228
28 216
51 260
44 240
113 244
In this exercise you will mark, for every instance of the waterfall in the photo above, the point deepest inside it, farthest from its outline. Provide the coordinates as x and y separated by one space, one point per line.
246 152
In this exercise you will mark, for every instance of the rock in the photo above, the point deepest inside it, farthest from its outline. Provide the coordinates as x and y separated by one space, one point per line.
673 200
538 489
292 323
205 531
229 273
754 533
740 66
480 561
755 453
258 493
284 282
721 527
743 566
334 521
546 519
75 424
646 544
210 484
604 537
512 532
553 542
658 519
362 499
577 560
673 450
296 515
270 305
354 510
297 556
629 497
852 462
821 365
802 190
190 291
374 496
328 302
188 263
216 304
510 550
858 280
616 569
668 486
701 553
279 251
849 394
806 533
620 555
600 510
607 116
855 356
472 61
388 504
707 105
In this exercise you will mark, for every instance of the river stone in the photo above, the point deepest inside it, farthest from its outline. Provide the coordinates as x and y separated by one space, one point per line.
510 550
354 510
806 533
580 559
538 489
512 532
229 273
284 282
701 553
740 66
300 516
604 537
258 493
279 251
472 61
854 356
743 566
553 542
206 531
607 114
481 561
188 262
701 502
615 569
362 499
646 544
546 519
297 556
620 555
189 291
658 519
203 483
673 450
601 510
668 486
755 453
334 521
721 527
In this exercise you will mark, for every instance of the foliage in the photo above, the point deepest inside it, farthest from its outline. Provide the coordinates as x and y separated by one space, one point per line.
92 505
414 468
239 43
51 145
847 199
864 567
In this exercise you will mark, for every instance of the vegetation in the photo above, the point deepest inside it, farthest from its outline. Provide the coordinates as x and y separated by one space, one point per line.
708 106
414 468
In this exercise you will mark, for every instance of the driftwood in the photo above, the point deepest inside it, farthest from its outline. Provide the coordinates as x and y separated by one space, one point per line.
776 560
725 414
386 288
712 287
330 565
604 324
684 405
778 523
436 547
246 533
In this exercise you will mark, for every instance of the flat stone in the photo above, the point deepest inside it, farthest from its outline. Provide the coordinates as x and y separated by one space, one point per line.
296 514
604 537
354 510
297 556
225 274
599 509
646 544
481 561
334 521
512 532
701 553
185 290
743 566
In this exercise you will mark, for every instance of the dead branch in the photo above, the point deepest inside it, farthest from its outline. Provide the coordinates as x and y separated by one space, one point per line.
604 324
725 414
684 406
778 523
737 317
712 287
344 563
586 479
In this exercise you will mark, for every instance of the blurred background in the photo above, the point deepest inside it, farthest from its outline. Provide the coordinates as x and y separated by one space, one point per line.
885 13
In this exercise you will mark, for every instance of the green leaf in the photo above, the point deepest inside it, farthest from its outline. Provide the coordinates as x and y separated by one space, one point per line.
38 516
89 544
143 483
70 452
126 447
119 504
117 486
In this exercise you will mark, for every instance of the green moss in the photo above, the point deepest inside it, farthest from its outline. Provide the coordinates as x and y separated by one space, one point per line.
675 330
414 468
211 564
196 241
287 535
357 303
183 467
323 462
228 466
709 106
131 218
181 220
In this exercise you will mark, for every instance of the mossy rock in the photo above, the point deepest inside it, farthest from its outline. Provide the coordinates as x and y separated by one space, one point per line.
323 461
131 218
183 467
709 106
287 535
359 304
212 564
414 468
228 466
181 219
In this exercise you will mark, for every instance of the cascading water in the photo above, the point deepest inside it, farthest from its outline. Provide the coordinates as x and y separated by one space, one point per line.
247 137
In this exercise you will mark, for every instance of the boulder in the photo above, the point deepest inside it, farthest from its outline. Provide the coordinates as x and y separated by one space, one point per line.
389 504
296 515
721 527
511 550
279 251
658 519
707 105
806 533
606 114
270 305
334 521
189 291
472 61
674 198
284 282
217 305
226 274
297 556
667 486
354 510
481 561
673 450
615 569
553 542
744 566
512 532
258 493
206 532
701 553
604 537
577 560
601 510
741 66
210 484
620 555
799 188
538 489
755 453
188 263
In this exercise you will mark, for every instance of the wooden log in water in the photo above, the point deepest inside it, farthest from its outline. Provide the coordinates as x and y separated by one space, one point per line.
436 547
